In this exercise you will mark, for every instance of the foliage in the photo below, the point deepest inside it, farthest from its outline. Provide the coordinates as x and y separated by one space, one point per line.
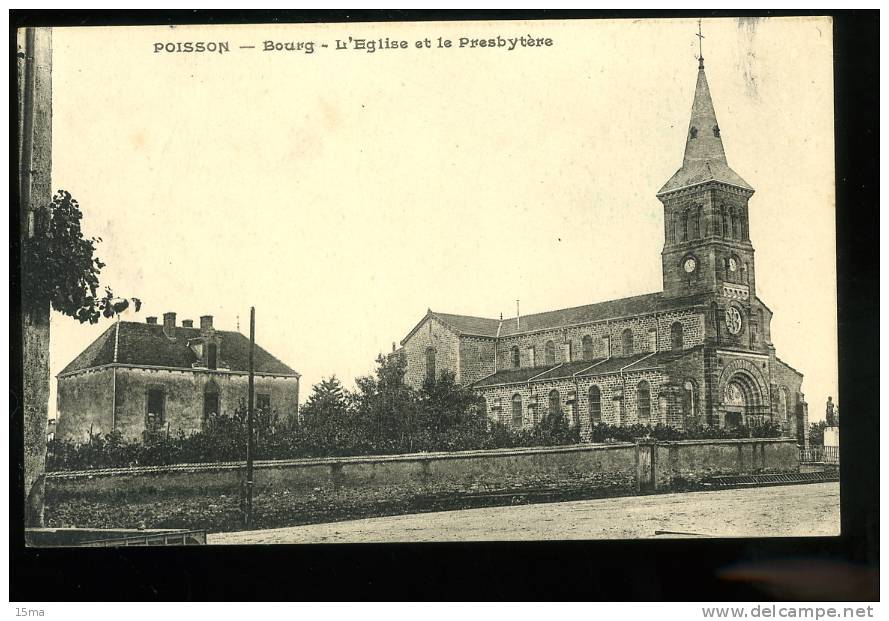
816 433
382 416
59 266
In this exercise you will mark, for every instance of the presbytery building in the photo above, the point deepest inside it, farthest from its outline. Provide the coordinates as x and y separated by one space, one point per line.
698 353
149 377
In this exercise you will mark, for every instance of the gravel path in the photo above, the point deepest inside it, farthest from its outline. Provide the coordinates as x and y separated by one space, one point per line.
781 511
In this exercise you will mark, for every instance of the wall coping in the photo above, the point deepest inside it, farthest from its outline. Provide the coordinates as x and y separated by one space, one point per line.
364 459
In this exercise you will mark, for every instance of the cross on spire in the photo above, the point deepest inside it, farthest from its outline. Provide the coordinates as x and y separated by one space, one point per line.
700 37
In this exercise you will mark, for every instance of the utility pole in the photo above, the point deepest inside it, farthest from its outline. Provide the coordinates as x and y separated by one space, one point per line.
248 514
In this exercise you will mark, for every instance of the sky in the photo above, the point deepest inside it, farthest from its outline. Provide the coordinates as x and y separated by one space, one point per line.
342 193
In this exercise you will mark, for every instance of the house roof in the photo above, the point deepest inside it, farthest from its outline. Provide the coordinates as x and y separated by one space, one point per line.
143 344
704 158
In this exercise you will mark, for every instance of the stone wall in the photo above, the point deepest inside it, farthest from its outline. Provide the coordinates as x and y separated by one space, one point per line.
85 399
606 336
431 333
317 489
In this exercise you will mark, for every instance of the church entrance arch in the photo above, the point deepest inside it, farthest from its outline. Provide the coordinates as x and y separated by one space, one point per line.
743 394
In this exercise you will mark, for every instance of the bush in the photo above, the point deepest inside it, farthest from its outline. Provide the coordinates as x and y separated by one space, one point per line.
383 416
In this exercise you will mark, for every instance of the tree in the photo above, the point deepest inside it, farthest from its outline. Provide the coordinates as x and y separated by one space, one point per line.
59 266
816 433
59 271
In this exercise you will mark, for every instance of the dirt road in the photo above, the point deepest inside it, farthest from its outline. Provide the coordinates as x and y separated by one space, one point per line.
792 510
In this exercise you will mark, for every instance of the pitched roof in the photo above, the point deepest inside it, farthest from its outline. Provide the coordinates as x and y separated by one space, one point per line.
143 344
588 313
704 158
582 368
466 324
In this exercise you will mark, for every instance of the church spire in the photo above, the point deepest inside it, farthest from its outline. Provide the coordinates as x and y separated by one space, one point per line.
704 158
704 140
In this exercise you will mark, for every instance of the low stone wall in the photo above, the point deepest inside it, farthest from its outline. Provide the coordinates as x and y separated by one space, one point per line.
307 490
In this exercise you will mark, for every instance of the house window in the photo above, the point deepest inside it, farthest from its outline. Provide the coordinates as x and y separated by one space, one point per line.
643 402
430 364
516 360
517 410
263 402
595 405
211 356
211 403
555 402
155 416
549 353
587 343
676 334
627 342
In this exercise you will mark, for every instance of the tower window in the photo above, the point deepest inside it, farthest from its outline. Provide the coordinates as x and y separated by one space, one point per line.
549 353
716 130
587 343
514 353
627 342
643 402
693 132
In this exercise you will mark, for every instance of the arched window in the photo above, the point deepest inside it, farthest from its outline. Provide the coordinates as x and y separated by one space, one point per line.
587 342
555 402
676 336
514 353
726 222
736 233
689 400
695 231
517 410
627 341
700 222
782 404
685 215
677 226
595 405
643 402
430 364
549 353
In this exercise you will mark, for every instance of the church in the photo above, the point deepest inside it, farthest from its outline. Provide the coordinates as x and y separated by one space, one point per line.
698 353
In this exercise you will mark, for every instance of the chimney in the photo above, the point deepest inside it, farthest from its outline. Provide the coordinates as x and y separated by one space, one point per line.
169 321
151 320
206 323
187 323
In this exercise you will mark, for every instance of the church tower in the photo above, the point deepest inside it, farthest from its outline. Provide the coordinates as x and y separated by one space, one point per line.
707 243
707 247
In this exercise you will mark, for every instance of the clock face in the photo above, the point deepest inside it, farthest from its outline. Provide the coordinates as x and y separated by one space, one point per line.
689 265
732 264
733 319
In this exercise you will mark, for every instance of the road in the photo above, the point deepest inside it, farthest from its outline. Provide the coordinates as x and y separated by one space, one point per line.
791 510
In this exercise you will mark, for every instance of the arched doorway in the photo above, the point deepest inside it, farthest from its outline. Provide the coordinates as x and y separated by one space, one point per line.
741 401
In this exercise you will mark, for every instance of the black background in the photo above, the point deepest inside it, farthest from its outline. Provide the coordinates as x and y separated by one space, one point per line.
596 570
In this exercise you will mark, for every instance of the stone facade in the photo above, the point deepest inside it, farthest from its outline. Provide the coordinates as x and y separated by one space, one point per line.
147 377
698 353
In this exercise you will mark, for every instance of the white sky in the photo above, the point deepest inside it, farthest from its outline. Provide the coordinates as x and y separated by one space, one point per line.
342 193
